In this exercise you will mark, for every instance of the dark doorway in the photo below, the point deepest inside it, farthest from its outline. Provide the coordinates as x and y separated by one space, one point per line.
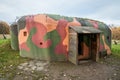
93 47
84 43
87 46
80 47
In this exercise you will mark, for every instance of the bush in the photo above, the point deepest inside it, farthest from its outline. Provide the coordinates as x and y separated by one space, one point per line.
116 33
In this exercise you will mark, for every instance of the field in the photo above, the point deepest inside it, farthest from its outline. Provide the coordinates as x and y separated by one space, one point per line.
10 60
116 50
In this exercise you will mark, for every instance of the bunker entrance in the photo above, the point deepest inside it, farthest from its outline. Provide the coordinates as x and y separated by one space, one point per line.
87 46
83 44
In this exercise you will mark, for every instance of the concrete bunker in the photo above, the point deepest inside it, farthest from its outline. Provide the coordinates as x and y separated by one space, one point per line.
48 37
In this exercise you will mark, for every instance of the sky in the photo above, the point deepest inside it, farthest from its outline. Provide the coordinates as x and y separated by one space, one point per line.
107 11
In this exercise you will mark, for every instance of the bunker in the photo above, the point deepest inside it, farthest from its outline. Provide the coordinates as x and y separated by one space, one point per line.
61 38
14 36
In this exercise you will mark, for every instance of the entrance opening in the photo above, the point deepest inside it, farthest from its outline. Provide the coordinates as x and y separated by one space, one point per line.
83 44
87 46
80 47
93 46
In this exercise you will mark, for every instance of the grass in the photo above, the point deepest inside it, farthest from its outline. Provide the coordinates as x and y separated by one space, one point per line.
9 58
113 59
2 41
116 50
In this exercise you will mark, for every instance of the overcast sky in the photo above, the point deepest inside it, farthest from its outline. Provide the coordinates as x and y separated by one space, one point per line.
107 11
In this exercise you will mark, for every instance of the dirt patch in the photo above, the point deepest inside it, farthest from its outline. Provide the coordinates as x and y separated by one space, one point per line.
84 71
106 69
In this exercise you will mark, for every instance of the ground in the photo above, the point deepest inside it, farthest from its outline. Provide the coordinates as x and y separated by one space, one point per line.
14 67
106 69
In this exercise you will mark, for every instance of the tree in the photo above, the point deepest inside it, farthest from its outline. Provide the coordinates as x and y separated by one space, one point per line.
4 28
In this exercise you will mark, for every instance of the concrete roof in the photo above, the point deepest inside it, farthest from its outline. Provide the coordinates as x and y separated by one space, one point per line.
85 29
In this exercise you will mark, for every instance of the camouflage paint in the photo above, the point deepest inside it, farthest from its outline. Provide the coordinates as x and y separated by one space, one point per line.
14 36
46 36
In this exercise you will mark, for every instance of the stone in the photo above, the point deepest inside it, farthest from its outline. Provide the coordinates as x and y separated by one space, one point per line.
114 74
44 64
94 70
79 77
64 75
26 77
32 71
33 67
24 64
17 77
4 67
18 73
26 69
47 74
38 64
20 67
31 63
11 65
39 68
45 70
109 79
45 77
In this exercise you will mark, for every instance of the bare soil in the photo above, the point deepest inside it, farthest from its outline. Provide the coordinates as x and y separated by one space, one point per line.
106 69
86 70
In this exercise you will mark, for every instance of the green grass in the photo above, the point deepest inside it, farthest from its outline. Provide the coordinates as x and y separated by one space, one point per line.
116 50
9 58
2 41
